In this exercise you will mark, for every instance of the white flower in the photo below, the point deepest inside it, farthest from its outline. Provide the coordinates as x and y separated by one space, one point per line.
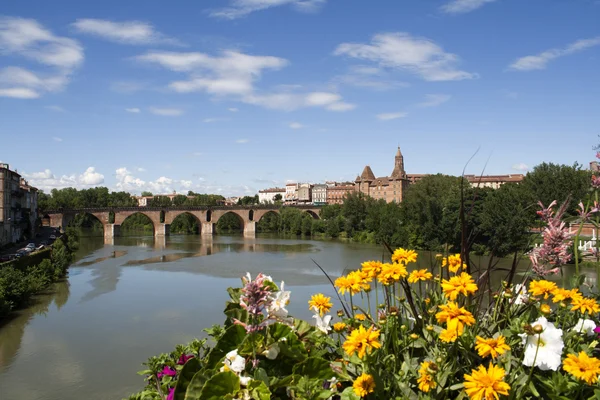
245 380
233 362
272 352
548 345
279 300
585 326
322 324
521 292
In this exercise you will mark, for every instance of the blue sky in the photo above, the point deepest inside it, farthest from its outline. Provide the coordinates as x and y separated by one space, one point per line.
231 96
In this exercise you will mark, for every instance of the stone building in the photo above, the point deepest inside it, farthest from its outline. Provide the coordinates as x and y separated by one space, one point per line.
389 188
18 206
336 192
291 193
304 193
268 195
319 194
493 181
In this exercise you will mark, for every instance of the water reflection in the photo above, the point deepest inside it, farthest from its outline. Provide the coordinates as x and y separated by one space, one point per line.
12 331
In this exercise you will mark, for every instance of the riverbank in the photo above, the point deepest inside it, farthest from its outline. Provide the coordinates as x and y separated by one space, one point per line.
23 278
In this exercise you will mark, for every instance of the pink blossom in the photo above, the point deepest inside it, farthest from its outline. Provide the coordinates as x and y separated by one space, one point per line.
595 181
184 358
554 252
171 395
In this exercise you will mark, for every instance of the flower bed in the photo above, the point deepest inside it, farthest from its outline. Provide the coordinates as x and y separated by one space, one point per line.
425 334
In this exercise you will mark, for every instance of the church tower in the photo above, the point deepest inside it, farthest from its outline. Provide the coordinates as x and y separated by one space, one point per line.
398 172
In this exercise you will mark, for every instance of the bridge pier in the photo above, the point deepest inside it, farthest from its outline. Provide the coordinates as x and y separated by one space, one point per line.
111 231
206 229
162 230
250 229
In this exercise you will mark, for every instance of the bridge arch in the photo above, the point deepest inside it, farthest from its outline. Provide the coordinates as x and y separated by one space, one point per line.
226 219
85 220
137 223
312 214
185 222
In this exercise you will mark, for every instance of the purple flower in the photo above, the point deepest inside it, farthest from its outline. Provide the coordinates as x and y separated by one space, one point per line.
183 359
166 371
171 395
597 329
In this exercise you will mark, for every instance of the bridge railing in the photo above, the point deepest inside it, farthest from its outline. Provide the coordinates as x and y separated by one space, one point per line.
179 208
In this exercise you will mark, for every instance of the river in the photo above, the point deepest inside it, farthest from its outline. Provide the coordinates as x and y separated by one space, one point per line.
126 301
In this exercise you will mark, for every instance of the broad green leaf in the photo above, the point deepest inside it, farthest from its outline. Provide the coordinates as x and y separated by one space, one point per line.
195 386
314 367
231 339
259 391
348 394
219 386
191 367
235 294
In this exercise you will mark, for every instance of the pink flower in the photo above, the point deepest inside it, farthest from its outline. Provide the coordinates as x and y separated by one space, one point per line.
554 252
166 371
595 181
171 395
183 359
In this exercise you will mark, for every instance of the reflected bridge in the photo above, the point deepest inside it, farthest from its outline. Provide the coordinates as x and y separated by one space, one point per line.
112 218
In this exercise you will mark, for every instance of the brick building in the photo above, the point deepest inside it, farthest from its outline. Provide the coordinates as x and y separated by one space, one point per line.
337 192
389 188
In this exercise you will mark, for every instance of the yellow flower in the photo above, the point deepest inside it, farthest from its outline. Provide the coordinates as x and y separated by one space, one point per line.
372 268
449 336
343 284
391 273
404 256
353 283
363 385
321 302
361 340
459 284
561 295
583 367
360 317
491 347
454 263
425 381
585 304
545 309
485 384
339 326
419 275
542 288
455 318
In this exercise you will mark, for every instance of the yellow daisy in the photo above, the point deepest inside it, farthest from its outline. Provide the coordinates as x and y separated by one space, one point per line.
485 384
321 302
419 275
583 367
491 347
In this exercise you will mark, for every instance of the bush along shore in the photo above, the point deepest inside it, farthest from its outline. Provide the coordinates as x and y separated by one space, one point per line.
21 279
402 333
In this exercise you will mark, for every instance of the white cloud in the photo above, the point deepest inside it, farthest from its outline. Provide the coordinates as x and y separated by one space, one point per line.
234 74
296 125
340 106
127 87
416 55
55 108
232 109
391 116
47 181
540 60
368 77
140 169
29 39
127 32
211 120
126 181
241 8
57 139
242 141
434 100
520 167
166 112
463 6
133 110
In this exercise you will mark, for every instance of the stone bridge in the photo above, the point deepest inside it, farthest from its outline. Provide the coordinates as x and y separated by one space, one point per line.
162 217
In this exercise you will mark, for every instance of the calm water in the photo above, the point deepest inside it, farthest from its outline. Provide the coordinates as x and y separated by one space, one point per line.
138 297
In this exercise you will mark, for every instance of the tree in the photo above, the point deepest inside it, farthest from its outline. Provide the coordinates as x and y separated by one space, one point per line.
147 194
248 200
179 200
161 201
277 197
548 182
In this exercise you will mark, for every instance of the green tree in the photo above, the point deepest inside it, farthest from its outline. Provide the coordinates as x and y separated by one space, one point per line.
548 182
248 200
147 194
179 200
160 201
277 197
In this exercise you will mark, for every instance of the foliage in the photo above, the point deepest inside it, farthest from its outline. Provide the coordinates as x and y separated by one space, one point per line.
248 200
229 223
185 224
85 198
160 201
18 283
269 223
137 222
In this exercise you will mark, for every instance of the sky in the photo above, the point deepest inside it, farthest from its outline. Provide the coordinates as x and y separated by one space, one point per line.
234 96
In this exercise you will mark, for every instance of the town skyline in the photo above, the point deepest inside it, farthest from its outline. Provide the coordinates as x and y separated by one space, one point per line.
231 97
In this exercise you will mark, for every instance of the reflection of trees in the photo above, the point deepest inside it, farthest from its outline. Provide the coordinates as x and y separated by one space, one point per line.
11 333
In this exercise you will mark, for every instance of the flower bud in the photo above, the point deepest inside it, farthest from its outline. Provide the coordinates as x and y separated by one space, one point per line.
403 327
367 289
429 328
414 336
537 329
354 308
381 306
545 309
438 360
340 313
402 299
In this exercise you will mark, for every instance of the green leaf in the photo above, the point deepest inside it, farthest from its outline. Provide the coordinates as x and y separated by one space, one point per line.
348 394
220 386
314 367
189 370
458 386
533 389
195 386
259 391
231 339
261 375
235 294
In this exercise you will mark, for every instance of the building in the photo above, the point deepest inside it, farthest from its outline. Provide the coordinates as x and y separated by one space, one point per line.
594 166
389 188
337 192
144 201
319 194
18 207
268 195
291 193
304 193
493 181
